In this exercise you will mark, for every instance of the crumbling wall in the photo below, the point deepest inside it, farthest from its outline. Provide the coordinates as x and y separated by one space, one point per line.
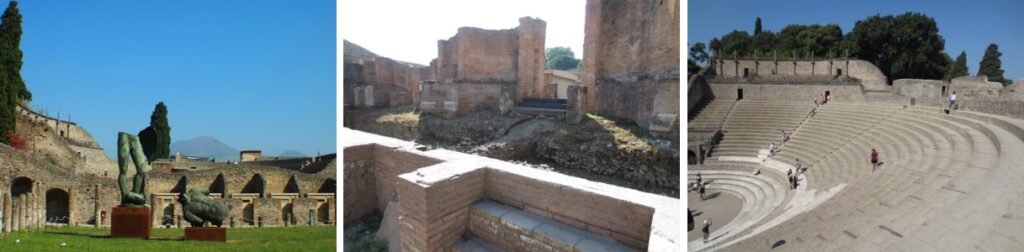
477 66
631 52
868 74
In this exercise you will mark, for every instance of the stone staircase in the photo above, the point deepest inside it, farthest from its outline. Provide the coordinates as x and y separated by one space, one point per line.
947 182
713 115
753 124
541 106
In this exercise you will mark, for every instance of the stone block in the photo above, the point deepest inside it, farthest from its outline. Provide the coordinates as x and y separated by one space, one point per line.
131 222
218 234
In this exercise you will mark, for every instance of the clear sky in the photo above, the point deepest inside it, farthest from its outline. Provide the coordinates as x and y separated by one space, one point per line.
966 25
409 30
255 74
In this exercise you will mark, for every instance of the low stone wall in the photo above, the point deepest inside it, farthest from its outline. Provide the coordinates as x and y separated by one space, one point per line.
434 199
919 88
803 92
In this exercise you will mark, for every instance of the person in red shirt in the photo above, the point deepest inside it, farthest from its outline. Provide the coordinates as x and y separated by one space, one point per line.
874 160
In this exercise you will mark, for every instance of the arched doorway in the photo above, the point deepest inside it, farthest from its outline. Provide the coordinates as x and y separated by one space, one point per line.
21 185
691 158
323 213
57 206
249 214
255 185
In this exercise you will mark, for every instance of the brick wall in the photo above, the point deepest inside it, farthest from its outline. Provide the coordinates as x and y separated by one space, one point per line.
360 182
435 216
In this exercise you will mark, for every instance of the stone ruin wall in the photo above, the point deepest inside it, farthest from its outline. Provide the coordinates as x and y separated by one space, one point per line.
868 74
314 191
631 61
392 83
477 67
66 129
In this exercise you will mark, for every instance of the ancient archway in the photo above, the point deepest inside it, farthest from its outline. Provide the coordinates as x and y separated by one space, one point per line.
292 186
219 186
329 186
21 185
57 206
255 185
181 185
323 213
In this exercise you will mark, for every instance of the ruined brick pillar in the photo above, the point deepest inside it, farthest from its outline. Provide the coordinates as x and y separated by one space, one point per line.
591 47
575 102
530 62
22 202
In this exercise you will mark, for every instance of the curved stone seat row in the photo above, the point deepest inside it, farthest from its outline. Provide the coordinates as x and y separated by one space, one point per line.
937 168
761 196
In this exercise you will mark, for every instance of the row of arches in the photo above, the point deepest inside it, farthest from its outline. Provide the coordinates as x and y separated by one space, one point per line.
256 184
56 200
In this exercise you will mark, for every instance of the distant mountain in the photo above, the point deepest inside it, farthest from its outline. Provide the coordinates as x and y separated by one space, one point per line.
205 146
292 153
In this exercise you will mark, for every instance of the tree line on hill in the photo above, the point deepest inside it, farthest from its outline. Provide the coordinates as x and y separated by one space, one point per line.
903 46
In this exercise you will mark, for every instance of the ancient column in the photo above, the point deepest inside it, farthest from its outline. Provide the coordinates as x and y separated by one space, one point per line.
72 214
736 62
794 62
21 213
157 205
757 64
256 213
96 207
830 70
775 59
812 63
7 213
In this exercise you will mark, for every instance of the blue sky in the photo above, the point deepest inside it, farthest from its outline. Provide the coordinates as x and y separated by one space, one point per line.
966 25
256 74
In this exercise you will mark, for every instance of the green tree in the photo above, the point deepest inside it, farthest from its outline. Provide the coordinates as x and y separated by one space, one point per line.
991 65
716 46
958 67
698 53
11 56
757 26
156 139
561 58
904 46
736 42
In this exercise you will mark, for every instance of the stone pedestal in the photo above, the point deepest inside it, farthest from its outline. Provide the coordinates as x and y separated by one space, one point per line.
131 222
206 234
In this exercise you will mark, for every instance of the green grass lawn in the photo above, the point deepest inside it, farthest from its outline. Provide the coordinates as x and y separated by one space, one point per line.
319 238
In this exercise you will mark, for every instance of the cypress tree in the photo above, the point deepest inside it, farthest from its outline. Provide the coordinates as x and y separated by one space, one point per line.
156 139
11 59
757 26
959 67
11 84
991 66
162 129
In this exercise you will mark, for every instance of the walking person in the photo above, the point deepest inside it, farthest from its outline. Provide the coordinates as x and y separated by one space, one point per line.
707 229
783 135
874 160
790 176
700 189
952 101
